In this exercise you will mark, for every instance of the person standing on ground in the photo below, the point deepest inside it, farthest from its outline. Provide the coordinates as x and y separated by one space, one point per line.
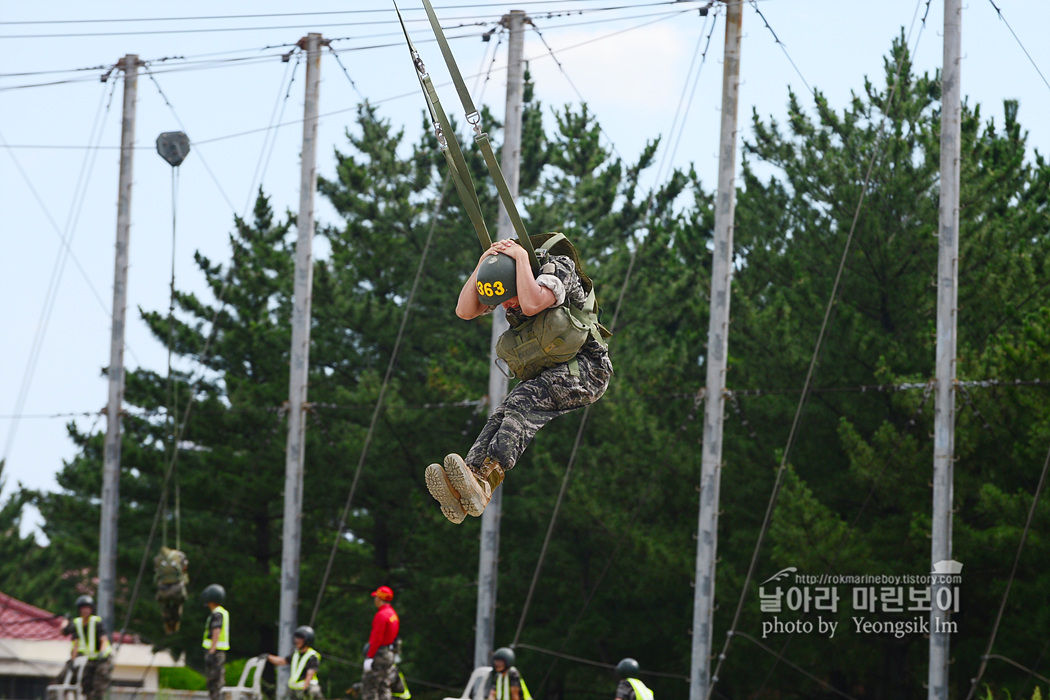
630 688
304 663
383 647
505 681
89 639
216 639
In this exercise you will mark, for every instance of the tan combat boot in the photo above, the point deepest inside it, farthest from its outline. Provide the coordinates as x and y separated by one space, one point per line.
475 489
441 489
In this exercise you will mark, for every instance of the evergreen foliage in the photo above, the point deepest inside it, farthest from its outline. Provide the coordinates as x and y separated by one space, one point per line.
616 581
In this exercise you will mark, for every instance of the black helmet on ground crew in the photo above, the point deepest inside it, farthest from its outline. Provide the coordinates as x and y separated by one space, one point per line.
213 594
504 654
627 668
85 601
305 633
497 279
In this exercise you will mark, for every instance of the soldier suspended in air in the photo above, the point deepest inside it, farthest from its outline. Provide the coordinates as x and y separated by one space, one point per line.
555 345
171 576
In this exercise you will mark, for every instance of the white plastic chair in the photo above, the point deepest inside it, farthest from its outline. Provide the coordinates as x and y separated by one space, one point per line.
243 691
68 688
475 689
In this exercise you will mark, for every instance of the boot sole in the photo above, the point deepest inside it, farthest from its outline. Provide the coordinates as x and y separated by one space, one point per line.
464 483
441 489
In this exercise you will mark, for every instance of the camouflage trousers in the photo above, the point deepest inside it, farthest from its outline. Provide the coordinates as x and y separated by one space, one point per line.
171 597
94 682
535 402
215 673
375 683
312 692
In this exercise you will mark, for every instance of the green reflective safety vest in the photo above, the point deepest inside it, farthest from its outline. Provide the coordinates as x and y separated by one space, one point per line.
404 694
87 640
641 692
503 686
224 634
295 680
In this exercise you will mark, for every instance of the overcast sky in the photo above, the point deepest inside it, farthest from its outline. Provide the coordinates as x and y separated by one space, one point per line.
223 82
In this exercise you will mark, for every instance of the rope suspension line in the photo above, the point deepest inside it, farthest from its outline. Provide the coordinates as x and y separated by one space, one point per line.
379 401
65 252
579 434
450 147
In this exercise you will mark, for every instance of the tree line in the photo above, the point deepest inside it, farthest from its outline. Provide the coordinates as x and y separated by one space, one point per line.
617 576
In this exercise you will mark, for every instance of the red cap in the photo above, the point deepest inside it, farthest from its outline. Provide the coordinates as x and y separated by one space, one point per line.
383 593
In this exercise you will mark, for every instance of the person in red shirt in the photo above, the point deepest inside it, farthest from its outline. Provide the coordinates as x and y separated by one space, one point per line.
382 648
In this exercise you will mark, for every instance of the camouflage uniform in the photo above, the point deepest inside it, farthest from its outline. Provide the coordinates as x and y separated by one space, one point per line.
375 683
95 680
171 577
215 673
535 402
96 674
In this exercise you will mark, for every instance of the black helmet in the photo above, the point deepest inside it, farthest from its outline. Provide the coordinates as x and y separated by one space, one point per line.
85 600
305 633
497 279
505 654
627 668
213 594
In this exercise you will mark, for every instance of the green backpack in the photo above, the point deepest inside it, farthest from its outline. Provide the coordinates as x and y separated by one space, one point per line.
555 335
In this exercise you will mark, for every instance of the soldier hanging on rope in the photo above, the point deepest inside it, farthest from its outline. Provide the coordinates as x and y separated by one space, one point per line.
555 345
171 576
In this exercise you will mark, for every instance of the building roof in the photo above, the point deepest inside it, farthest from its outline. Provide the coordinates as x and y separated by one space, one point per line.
20 620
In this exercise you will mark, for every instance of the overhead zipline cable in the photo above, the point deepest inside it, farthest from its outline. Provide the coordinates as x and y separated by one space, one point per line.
579 437
191 399
214 179
1010 581
64 253
379 406
271 133
661 173
330 12
1031 60
379 401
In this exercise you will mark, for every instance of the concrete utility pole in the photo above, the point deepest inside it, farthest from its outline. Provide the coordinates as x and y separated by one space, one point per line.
947 296
717 352
488 558
300 363
107 544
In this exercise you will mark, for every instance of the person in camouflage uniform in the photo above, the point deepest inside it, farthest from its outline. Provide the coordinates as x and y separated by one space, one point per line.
464 486
216 639
171 576
90 640
629 687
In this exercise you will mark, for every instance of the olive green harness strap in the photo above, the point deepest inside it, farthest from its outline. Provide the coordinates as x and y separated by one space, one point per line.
457 161
446 137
